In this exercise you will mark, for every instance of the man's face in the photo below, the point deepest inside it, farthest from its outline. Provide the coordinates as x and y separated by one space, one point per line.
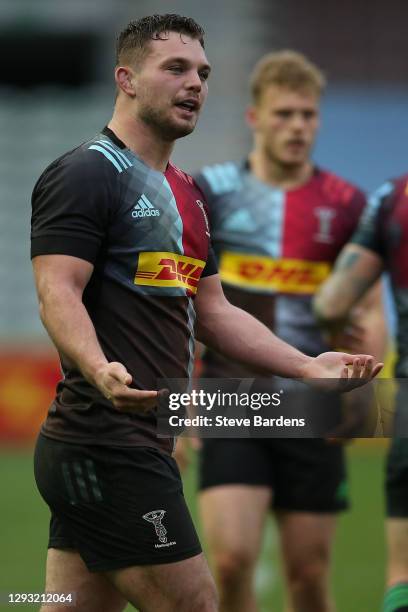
285 122
171 85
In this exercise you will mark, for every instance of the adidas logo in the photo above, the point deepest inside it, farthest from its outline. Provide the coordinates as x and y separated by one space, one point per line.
144 208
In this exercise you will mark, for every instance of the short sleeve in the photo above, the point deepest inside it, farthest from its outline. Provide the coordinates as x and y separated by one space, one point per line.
369 230
211 265
72 203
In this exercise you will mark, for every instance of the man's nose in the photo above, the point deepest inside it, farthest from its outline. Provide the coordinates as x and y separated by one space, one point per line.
193 81
298 121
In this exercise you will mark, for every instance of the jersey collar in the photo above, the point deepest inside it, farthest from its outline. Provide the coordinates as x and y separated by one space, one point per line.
108 132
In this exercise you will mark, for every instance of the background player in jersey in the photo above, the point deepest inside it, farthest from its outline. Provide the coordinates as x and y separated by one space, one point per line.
277 224
113 223
381 243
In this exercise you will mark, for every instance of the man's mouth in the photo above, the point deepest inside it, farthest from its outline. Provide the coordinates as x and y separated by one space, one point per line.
296 143
190 105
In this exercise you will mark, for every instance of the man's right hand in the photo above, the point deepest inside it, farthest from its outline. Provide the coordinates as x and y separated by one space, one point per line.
113 381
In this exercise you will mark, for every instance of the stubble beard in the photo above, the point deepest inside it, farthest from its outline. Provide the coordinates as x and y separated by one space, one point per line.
164 126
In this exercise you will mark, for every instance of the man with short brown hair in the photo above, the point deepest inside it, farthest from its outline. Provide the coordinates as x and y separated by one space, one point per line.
112 219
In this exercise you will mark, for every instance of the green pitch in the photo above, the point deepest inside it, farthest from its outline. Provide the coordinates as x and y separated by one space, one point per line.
359 555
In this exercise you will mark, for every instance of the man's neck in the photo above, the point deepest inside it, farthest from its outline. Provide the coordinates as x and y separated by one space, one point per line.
140 139
279 175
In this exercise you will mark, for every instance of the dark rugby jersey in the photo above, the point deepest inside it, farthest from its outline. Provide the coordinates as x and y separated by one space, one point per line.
384 229
146 233
275 247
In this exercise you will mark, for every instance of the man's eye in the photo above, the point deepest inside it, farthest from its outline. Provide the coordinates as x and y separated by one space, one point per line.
204 75
284 114
309 115
177 69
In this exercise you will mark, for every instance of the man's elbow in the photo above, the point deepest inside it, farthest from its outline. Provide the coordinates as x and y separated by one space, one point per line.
53 300
210 323
47 307
41 309
202 332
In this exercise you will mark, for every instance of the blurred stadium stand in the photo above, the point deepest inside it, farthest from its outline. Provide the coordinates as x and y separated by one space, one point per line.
56 90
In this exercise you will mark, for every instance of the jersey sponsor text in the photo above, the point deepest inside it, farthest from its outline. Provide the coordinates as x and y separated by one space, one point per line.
158 269
273 275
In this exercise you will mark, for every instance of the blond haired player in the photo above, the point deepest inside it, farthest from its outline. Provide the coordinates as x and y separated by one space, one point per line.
278 222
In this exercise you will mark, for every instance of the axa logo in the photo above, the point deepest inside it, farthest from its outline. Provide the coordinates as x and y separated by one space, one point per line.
159 269
144 208
155 517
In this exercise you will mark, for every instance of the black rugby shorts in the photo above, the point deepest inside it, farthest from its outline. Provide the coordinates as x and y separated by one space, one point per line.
305 474
116 506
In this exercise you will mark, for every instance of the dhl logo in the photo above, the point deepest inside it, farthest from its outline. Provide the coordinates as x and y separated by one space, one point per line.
169 270
272 275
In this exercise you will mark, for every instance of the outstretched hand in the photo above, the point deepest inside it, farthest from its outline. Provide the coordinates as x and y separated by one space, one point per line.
351 371
113 381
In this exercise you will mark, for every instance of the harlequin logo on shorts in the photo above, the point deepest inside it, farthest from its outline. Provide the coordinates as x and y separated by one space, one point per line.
158 269
155 517
274 275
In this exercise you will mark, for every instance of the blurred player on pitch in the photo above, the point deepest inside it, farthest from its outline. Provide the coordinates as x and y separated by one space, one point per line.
278 222
381 242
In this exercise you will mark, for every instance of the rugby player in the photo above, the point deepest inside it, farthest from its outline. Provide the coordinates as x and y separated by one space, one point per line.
278 222
381 243
120 247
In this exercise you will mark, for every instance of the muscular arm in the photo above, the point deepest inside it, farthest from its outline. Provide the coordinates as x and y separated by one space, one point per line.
236 334
60 282
356 270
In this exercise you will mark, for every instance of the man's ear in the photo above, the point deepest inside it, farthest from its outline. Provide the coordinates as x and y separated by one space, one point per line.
125 80
251 116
